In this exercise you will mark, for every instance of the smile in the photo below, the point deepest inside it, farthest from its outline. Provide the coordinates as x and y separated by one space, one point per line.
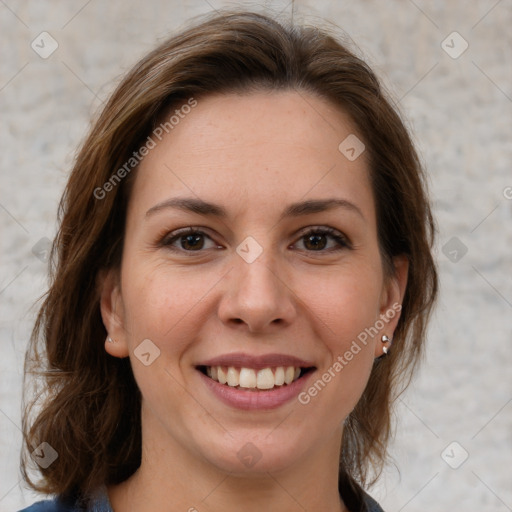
254 379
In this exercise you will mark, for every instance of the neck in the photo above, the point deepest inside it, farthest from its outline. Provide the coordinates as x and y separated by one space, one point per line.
170 477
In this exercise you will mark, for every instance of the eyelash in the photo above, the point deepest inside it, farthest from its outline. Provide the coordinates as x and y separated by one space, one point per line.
341 240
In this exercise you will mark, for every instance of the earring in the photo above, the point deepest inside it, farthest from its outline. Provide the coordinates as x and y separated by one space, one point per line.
385 339
110 340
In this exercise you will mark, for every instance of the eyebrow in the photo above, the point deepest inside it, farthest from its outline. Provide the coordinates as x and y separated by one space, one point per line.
201 207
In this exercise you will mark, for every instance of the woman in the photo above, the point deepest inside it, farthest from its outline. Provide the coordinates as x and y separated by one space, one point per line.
242 282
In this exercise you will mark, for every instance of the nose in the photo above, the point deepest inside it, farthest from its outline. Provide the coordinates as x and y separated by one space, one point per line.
257 295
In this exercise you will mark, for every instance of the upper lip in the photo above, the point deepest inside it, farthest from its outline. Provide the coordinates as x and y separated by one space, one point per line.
241 360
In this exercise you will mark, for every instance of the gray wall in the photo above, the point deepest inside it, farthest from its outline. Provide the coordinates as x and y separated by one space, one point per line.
460 111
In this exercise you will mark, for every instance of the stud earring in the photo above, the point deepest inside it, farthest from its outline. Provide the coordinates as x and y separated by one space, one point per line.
385 339
110 340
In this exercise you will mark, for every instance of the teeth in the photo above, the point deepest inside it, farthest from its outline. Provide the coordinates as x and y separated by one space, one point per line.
247 378
221 375
279 376
233 377
266 378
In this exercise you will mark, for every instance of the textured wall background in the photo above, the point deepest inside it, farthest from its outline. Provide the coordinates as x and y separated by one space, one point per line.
459 104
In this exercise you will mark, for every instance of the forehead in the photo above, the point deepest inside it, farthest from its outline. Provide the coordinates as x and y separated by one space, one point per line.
254 149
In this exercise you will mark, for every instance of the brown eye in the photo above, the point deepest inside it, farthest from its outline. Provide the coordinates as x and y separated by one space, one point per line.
187 240
192 242
317 240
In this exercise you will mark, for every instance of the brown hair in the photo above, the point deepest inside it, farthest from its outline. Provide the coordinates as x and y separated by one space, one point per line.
89 404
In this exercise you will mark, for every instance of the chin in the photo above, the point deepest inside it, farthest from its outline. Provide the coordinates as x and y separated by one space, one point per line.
254 454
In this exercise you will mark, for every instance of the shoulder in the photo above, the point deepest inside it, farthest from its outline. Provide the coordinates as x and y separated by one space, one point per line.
356 499
95 502
53 505
371 504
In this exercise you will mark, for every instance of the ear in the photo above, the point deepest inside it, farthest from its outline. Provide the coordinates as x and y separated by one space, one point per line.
391 300
112 313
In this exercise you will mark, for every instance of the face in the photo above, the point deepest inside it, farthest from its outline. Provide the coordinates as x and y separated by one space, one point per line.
251 255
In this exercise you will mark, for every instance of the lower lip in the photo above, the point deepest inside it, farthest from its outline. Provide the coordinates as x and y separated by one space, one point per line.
255 400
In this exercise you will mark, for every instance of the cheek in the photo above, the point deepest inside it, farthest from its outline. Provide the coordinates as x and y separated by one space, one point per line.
163 303
346 307
345 302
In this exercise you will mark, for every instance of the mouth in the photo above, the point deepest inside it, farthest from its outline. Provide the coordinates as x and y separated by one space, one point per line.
255 379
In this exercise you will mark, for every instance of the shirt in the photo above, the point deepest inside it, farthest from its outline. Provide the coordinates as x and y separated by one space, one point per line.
100 503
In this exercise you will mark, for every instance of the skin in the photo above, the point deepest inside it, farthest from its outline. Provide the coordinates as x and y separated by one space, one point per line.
253 154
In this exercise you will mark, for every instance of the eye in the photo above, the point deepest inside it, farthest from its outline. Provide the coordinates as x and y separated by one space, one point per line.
188 239
316 240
